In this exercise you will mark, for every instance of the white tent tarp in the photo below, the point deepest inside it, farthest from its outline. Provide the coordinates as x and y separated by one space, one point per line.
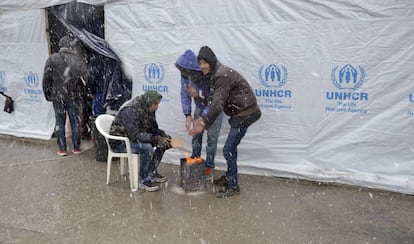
333 78
24 50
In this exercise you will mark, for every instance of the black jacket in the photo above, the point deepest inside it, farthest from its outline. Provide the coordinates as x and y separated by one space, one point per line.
232 94
62 76
135 121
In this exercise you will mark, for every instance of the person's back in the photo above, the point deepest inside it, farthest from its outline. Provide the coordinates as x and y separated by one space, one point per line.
99 75
63 86
119 88
63 72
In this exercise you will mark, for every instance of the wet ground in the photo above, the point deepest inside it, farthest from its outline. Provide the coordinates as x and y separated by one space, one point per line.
46 198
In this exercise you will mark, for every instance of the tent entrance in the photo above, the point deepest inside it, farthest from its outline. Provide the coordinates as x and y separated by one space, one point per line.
79 15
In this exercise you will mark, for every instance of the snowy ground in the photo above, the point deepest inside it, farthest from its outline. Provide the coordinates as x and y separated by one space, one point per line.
45 198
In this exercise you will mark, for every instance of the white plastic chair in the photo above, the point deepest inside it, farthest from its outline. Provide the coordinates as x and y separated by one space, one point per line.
103 124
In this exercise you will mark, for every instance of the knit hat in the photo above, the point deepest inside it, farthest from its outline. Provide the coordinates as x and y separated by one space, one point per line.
208 55
151 96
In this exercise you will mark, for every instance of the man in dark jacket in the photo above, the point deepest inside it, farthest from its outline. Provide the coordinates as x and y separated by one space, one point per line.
119 87
136 120
64 78
192 87
109 84
100 72
232 94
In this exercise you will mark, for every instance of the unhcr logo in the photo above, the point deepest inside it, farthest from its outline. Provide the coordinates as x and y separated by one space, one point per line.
347 78
272 76
410 100
154 74
32 80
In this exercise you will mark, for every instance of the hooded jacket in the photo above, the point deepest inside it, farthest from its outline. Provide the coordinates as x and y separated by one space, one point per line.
191 76
62 74
231 93
135 121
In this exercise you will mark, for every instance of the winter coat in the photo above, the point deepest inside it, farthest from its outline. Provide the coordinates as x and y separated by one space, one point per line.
232 94
191 73
100 72
62 76
119 89
135 121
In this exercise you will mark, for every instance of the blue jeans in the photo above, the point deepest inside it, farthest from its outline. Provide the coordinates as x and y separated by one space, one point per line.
230 154
98 104
149 158
212 138
72 109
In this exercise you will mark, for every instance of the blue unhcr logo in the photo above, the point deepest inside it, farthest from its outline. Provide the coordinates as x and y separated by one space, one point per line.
410 112
32 80
154 73
273 96
272 76
348 77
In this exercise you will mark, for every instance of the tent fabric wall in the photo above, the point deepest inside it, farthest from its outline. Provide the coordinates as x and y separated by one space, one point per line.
340 110
333 78
6 5
24 50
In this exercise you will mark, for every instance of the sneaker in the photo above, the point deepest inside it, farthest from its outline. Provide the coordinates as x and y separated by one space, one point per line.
159 178
209 172
228 191
148 186
62 153
222 181
76 151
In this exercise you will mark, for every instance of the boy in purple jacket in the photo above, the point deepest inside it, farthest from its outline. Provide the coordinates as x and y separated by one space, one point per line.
192 87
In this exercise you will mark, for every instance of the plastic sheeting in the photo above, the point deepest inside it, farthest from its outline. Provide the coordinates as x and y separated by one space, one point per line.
24 50
333 79
86 29
7 5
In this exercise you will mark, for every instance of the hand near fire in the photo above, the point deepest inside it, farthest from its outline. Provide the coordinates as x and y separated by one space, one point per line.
199 127
188 122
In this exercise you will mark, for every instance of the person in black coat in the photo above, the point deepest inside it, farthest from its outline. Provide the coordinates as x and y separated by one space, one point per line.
64 79
231 94
136 120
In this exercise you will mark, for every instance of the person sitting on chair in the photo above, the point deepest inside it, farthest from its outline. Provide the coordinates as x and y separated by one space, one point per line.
136 120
